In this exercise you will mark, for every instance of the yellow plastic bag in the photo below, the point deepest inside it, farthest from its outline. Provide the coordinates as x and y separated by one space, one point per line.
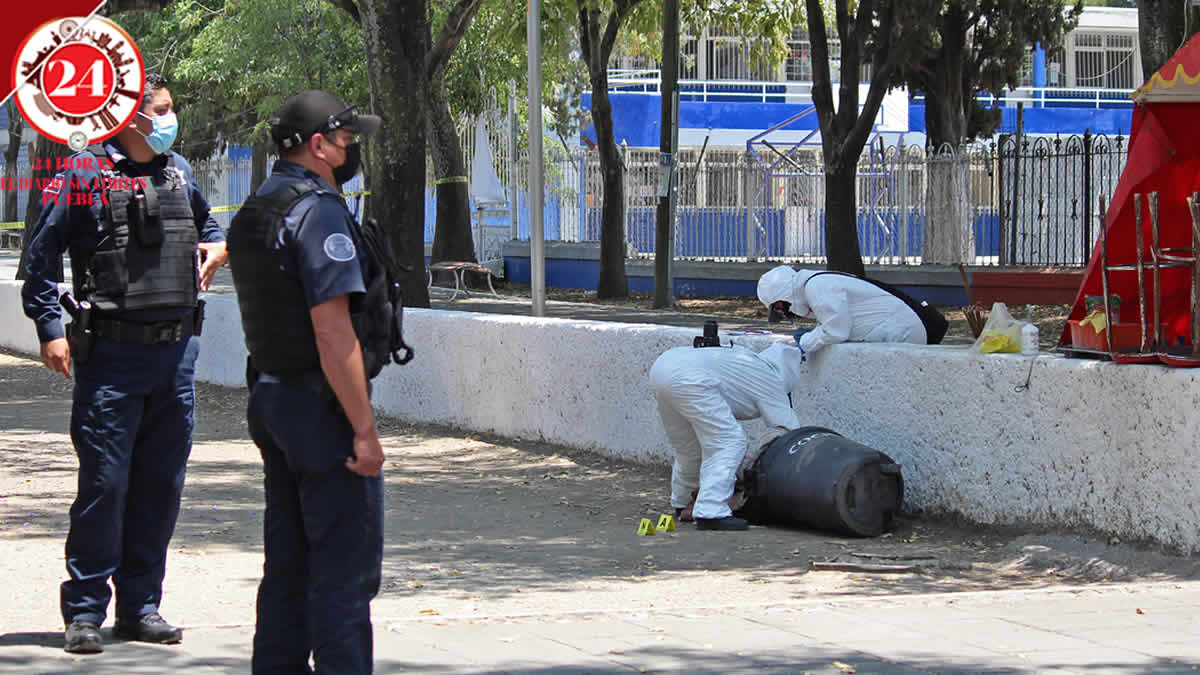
1001 333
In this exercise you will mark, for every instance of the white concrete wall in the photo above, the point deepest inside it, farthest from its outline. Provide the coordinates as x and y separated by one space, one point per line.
1090 444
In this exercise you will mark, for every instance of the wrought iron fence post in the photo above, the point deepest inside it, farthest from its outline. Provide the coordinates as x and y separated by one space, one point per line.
1016 206
514 188
1087 192
745 204
1003 224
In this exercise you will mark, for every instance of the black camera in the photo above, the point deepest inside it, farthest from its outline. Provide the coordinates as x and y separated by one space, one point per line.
709 339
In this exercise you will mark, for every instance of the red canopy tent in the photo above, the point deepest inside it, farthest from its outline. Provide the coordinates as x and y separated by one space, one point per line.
1164 157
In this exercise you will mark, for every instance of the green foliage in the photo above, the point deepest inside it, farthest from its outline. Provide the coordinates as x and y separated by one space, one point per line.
231 64
975 46
485 61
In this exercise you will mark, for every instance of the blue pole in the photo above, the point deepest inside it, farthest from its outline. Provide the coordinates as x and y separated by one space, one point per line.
1039 74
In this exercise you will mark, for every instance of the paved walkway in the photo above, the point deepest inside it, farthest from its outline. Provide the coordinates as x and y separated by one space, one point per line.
1143 628
518 557
498 562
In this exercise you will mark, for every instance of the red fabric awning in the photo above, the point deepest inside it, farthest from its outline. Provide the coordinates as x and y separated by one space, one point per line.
1164 157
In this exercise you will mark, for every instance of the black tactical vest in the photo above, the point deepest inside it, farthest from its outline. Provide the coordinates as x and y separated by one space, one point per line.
275 315
146 256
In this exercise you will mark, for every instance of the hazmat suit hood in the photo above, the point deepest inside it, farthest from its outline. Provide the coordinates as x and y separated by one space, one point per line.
776 285
784 283
788 361
798 296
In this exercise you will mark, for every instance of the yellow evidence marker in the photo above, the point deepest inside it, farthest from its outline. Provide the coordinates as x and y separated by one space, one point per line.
666 523
645 528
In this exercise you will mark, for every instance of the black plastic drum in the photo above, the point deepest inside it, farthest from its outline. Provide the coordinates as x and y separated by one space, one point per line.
818 478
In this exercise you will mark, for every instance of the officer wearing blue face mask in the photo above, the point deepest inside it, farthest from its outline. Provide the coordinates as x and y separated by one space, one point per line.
133 221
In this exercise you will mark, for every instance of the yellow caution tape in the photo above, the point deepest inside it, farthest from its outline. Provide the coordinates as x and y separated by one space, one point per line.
226 209
666 523
452 179
645 528
12 226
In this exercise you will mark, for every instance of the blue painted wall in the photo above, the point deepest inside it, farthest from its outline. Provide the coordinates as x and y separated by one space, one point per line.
1056 118
636 116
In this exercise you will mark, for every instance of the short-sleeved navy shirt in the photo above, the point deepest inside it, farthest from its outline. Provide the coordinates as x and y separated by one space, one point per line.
319 242
71 221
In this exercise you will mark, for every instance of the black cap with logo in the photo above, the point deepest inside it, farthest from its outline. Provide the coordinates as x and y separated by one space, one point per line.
314 112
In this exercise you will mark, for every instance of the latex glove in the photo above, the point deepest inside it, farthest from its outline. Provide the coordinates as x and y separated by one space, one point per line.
798 334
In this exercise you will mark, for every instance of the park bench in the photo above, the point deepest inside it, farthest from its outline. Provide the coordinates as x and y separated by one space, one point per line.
11 238
458 269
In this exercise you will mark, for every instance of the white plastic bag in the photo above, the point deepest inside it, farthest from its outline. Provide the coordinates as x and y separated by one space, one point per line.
1001 333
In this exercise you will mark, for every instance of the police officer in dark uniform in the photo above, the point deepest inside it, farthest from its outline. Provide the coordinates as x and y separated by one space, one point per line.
134 223
305 283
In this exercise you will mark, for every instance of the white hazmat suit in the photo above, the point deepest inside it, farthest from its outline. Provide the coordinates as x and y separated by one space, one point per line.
702 393
847 309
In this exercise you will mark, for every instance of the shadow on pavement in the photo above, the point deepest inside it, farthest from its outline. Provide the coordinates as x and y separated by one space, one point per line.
477 517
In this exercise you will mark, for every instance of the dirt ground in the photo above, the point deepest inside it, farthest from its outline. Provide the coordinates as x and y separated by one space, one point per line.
480 526
1050 319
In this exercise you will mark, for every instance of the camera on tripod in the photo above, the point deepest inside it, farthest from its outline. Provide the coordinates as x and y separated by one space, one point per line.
709 339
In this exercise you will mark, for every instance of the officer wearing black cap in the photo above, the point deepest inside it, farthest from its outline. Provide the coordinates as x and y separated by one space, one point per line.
304 284
132 219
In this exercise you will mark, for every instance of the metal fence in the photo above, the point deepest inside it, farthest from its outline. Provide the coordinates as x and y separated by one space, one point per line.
1021 202
1026 202
1048 189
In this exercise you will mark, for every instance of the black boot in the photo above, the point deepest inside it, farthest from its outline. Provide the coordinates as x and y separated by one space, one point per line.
149 628
728 523
83 637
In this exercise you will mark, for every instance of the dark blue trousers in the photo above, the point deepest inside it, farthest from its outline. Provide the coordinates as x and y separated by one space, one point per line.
323 537
131 423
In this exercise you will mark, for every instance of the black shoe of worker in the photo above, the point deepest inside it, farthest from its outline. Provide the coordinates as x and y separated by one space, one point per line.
83 637
149 628
728 523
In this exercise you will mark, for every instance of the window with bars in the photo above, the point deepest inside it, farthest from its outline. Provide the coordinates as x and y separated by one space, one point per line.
798 66
730 58
1104 60
722 176
688 63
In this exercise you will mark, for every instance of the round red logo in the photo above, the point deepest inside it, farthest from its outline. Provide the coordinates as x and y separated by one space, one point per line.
80 80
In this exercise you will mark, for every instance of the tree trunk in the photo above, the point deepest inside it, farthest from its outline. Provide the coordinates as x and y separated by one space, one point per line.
47 153
947 235
841 219
396 37
1161 31
613 282
10 175
258 164
16 125
452 234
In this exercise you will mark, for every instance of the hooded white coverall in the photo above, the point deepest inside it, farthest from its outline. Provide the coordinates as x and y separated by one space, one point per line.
702 393
846 309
